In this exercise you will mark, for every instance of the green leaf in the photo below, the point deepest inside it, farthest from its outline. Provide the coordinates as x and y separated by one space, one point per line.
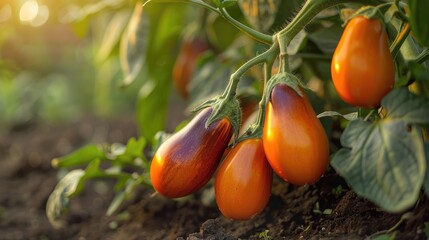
418 20
209 80
132 153
135 147
81 156
406 107
134 44
152 108
228 3
59 200
112 34
127 193
220 32
91 171
166 26
349 116
116 203
384 161
326 38
217 3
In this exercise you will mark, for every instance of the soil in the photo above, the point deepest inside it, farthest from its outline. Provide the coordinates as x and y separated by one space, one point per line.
306 212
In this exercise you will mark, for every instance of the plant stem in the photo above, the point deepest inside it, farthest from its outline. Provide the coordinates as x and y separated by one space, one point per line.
266 56
399 40
400 13
262 103
258 36
423 56
284 63
256 129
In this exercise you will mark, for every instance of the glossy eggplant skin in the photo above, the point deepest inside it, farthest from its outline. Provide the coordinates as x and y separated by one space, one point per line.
295 142
243 181
362 68
187 160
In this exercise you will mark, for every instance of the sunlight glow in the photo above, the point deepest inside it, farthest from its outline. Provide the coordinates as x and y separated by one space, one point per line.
34 14
28 11
41 17
337 67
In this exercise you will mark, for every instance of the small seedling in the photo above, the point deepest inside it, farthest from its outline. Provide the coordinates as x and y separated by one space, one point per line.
317 210
338 191
265 235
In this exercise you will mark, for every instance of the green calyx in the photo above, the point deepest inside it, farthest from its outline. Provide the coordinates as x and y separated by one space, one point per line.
228 108
256 129
283 78
369 12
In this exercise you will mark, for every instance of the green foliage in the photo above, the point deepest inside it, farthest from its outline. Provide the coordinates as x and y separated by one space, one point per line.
59 200
152 104
79 157
418 20
349 116
317 210
265 235
338 191
133 44
112 35
119 156
385 160
209 80
224 3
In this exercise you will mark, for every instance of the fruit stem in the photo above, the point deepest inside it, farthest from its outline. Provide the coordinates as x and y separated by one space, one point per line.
256 129
258 36
262 104
266 56
399 40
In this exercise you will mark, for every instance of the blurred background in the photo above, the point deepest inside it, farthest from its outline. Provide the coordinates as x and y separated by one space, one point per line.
51 62
61 60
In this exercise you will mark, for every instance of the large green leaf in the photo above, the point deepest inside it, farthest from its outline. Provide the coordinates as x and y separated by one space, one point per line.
112 34
418 20
133 44
81 156
166 25
384 161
